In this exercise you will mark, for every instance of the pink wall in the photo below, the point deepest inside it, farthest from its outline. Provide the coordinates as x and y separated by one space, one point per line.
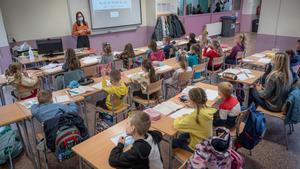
267 42
195 23
246 25
5 58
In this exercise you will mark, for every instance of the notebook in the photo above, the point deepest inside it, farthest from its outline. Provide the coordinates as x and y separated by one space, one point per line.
128 139
167 107
259 55
211 94
61 99
182 112
29 103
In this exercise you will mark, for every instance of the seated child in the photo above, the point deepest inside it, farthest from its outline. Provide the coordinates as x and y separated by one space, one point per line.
107 56
294 58
213 51
169 48
117 88
192 41
196 126
145 151
46 109
194 58
184 67
229 108
20 79
127 56
71 61
240 41
298 47
156 54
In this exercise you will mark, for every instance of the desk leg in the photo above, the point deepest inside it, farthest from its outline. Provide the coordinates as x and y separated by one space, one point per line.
170 153
29 146
247 92
38 162
22 139
80 163
2 96
85 113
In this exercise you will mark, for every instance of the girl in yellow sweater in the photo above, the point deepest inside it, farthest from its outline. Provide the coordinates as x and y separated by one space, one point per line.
196 126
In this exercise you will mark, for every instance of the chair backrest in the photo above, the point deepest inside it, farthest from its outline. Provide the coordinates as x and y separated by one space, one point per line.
154 87
218 61
185 76
24 89
200 67
119 64
73 75
240 55
91 71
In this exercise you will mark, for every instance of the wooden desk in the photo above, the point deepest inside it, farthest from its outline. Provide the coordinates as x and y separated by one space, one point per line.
96 150
254 61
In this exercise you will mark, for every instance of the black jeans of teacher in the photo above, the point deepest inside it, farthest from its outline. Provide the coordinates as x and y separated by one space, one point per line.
83 42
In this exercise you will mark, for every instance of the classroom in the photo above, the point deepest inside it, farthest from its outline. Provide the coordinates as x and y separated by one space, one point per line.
149 84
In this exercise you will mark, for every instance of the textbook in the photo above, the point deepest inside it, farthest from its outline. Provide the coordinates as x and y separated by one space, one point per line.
167 107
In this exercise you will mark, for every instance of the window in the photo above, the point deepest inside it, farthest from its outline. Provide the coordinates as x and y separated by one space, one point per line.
237 4
222 5
194 7
180 7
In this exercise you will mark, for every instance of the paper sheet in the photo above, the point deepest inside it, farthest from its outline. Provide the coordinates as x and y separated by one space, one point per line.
164 67
182 112
61 99
56 69
211 94
259 55
51 66
167 107
186 90
128 139
244 76
264 60
29 103
99 85
247 60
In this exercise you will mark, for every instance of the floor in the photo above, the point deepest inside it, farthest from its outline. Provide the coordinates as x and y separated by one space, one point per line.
269 154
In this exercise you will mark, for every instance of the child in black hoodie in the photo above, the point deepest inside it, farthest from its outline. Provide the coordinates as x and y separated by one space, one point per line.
145 152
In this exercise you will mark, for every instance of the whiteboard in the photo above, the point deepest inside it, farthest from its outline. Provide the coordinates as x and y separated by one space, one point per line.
214 29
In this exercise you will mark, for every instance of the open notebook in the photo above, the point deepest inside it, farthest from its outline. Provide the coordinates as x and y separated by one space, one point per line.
80 90
182 112
128 139
167 107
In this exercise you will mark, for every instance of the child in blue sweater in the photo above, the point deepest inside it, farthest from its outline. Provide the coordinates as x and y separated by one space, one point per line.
46 109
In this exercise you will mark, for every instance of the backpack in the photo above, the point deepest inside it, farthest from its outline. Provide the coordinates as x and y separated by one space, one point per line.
66 138
237 161
254 130
10 144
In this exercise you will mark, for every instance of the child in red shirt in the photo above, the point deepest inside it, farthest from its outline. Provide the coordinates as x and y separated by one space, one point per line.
213 51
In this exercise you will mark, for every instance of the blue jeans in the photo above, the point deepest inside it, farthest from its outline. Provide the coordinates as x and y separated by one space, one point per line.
182 142
231 61
254 97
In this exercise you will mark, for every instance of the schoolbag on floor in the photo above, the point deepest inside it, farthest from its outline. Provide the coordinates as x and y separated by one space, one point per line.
10 144
66 138
237 161
254 130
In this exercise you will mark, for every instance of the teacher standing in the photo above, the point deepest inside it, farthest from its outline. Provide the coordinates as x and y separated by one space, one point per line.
81 30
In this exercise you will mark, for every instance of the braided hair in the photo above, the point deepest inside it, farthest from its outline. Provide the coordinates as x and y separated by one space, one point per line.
198 96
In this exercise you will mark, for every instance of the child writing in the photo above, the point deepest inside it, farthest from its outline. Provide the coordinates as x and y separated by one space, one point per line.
107 56
169 48
155 54
229 108
145 152
278 83
20 79
213 51
194 58
117 89
240 41
192 41
127 56
71 61
184 67
196 126
46 109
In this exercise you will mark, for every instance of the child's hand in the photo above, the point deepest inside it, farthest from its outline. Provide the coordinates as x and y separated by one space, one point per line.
259 87
122 140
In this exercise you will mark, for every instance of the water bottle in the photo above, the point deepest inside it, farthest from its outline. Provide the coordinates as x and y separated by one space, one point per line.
31 55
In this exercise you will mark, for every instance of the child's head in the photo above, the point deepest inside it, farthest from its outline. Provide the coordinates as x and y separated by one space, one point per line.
192 36
194 49
225 89
13 69
198 98
139 124
115 76
148 67
44 96
153 45
240 39
72 60
183 61
282 66
106 48
167 40
217 46
298 44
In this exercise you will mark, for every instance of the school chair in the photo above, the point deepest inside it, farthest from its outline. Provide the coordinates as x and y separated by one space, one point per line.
184 79
238 60
115 100
152 88
281 116
63 80
216 61
182 156
201 68
91 71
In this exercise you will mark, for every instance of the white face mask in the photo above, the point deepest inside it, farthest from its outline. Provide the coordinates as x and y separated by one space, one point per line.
80 19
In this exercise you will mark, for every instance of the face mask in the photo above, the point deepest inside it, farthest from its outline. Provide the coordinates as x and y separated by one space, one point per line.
80 18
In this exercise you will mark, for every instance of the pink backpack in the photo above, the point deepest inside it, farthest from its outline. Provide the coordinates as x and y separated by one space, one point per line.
237 161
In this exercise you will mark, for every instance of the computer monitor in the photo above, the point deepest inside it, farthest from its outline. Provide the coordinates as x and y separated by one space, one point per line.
50 46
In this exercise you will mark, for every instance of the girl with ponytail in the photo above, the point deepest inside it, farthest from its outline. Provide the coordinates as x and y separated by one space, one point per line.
195 126
240 46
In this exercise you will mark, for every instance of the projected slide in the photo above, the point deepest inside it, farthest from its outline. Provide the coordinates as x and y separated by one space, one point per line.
111 4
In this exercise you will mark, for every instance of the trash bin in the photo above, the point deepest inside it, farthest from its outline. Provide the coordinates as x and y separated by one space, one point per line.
255 25
228 26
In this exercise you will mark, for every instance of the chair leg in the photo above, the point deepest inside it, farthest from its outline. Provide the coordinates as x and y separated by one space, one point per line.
95 123
11 165
286 137
45 157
